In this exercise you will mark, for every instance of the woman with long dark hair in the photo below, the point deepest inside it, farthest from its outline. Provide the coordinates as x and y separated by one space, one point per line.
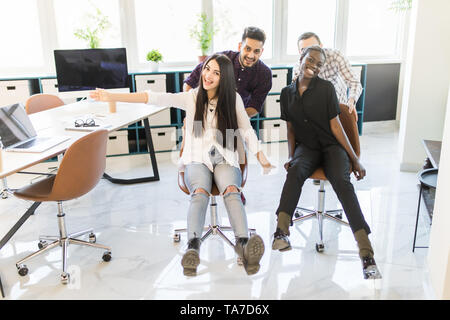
215 121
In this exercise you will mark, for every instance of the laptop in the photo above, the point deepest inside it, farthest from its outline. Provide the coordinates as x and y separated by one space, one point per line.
18 134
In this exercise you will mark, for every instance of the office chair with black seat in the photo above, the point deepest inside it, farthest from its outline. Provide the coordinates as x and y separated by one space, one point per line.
351 129
81 169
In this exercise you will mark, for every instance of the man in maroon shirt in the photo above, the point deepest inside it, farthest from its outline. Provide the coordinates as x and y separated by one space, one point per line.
253 77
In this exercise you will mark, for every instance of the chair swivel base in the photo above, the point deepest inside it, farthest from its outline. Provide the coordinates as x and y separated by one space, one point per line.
63 242
320 215
213 230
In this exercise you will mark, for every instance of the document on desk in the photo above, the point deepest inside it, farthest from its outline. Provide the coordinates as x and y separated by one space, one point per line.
88 122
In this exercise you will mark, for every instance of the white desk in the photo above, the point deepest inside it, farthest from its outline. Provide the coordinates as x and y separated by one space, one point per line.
54 122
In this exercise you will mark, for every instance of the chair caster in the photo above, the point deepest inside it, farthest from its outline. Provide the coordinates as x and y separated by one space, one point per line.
339 216
92 238
42 244
22 270
298 214
320 247
239 261
106 256
65 278
176 237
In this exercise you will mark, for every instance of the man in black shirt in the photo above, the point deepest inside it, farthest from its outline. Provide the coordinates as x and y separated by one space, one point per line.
316 138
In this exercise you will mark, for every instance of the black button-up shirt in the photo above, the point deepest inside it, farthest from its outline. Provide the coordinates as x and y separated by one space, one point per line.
310 114
253 84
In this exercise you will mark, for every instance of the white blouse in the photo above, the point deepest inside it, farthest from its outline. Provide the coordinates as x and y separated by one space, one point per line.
196 149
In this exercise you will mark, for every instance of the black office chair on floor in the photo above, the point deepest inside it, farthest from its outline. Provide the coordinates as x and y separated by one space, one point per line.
351 129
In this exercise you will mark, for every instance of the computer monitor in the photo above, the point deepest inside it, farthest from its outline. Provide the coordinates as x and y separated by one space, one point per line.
87 69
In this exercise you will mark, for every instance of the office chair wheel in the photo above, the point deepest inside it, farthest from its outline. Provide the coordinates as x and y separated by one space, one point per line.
22 270
42 244
176 237
106 256
320 247
92 238
339 216
298 214
65 278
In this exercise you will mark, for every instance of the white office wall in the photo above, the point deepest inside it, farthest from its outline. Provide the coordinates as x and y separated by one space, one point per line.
427 78
439 252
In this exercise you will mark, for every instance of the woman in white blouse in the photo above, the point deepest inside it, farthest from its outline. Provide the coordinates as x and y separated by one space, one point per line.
215 120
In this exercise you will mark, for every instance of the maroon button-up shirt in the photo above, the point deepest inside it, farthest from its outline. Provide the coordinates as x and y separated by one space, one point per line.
253 84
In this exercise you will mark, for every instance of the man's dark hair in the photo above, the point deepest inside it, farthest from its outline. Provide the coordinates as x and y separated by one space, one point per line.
308 35
254 33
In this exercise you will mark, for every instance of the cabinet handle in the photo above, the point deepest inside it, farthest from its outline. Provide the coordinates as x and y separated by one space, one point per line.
150 81
56 85
274 76
278 100
112 138
161 134
11 88
276 125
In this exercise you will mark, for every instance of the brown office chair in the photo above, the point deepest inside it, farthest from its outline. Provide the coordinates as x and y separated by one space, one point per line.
351 129
214 228
42 101
37 103
80 171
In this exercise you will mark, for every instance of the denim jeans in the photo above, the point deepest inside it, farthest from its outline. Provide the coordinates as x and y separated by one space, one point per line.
196 176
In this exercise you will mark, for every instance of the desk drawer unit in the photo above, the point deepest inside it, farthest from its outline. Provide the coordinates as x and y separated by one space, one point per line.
117 143
164 139
279 80
272 107
273 131
49 86
14 91
154 82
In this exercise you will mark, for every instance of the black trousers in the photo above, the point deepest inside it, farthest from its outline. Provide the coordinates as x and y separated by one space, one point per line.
336 164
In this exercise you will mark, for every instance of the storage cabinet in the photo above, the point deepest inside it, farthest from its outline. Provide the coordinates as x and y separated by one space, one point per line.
273 130
117 143
14 91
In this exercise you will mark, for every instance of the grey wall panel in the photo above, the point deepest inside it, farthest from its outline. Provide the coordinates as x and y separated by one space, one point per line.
381 92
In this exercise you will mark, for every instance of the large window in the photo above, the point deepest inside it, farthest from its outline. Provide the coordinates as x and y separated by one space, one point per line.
373 29
20 35
317 16
165 25
232 17
85 15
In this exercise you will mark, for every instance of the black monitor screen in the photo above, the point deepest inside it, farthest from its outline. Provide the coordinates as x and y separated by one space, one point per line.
87 69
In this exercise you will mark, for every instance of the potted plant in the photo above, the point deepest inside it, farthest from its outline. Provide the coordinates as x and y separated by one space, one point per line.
154 57
203 33
97 24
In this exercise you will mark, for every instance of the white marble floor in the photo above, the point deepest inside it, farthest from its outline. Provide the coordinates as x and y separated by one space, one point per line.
138 222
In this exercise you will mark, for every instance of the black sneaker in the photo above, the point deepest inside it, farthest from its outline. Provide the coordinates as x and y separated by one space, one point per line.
191 259
370 269
281 241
